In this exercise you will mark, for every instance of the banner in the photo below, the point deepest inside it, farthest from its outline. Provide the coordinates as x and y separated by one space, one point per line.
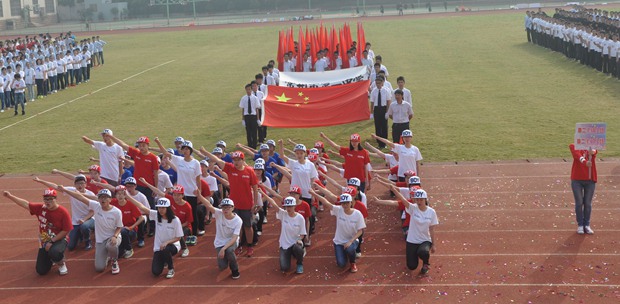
315 107
323 79
590 136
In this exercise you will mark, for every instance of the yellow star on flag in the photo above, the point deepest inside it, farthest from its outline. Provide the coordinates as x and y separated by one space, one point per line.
282 98
307 98
300 94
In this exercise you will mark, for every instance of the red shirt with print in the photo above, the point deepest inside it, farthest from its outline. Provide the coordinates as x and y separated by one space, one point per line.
356 161
241 182
51 222
130 212
183 212
304 209
144 166
92 187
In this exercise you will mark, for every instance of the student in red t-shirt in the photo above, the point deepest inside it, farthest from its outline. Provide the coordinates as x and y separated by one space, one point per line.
93 177
583 182
132 218
146 166
356 159
54 227
243 191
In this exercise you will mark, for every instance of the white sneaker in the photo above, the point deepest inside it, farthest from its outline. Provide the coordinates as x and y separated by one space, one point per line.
185 252
588 230
201 232
580 230
265 220
170 274
128 254
1 111
115 268
62 269
259 232
358 254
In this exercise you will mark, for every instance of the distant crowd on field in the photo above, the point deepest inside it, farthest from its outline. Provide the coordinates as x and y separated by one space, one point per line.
35 66
589 36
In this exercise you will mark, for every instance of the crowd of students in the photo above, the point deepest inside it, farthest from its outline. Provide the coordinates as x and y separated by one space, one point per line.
589 36
35 66
130 194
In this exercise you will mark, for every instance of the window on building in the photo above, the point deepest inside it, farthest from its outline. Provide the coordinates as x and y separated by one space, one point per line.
16 8
49 6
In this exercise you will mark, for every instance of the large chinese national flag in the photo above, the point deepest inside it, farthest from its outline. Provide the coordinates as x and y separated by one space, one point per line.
287 107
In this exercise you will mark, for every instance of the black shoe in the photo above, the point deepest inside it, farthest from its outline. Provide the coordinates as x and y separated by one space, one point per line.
23 112
236 275
15 114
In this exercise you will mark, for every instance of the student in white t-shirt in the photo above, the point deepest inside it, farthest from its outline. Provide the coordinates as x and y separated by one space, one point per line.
421 235
303 171
409 156
350 225
168 234
108 225
227 229
292 233
110 155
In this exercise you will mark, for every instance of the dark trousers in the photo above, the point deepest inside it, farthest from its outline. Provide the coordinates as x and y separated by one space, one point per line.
198 214
40 87
285 256
45 259
262 131
149 196
415 252
126 237
381 124
61 81
162 257
251 130
397 130
529 34
605 64
186 233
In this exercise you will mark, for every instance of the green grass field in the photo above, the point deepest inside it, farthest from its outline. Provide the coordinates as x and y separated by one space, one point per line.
480 93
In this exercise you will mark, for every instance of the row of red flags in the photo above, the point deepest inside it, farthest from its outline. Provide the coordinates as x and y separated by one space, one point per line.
319 39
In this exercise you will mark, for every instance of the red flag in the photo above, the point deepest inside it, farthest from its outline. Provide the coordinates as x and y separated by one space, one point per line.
333 41
287 107
361 42
314 47
301 47
343 51
291 41
280 58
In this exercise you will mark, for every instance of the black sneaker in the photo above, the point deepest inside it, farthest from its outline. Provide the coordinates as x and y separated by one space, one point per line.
424 269
236 275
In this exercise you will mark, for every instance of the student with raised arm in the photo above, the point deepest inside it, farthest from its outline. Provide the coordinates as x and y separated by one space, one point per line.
188 176
54 226
145 165
94 182
109 155
243 191
292 233
182 210
356 159
303 172
132 218
301 207
409 156
391 160
108 225
421 235
227 229
167 235
350 225
81 217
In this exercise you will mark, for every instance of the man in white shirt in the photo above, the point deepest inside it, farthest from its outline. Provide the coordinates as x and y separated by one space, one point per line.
400 82
249 105
380 99
110 155
401 113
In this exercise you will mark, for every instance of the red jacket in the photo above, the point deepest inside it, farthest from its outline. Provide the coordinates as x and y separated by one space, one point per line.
580 171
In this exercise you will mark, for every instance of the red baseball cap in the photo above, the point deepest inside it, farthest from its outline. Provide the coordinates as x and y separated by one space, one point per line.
313 157
319 144
295 189
120 188
410 173
143 139
350 190
238 154
178 189
50 192
95 168
355 137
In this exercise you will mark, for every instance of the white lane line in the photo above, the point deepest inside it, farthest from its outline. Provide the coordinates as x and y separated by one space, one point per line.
392 256
85 95
330 285
400 233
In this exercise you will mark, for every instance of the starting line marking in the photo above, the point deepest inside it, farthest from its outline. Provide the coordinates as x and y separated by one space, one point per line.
85 95
387 256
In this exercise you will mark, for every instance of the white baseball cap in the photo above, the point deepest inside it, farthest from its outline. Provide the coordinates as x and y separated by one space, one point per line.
289 201
162 202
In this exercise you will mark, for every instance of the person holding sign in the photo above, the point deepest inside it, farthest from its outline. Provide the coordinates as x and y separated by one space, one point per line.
583 182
